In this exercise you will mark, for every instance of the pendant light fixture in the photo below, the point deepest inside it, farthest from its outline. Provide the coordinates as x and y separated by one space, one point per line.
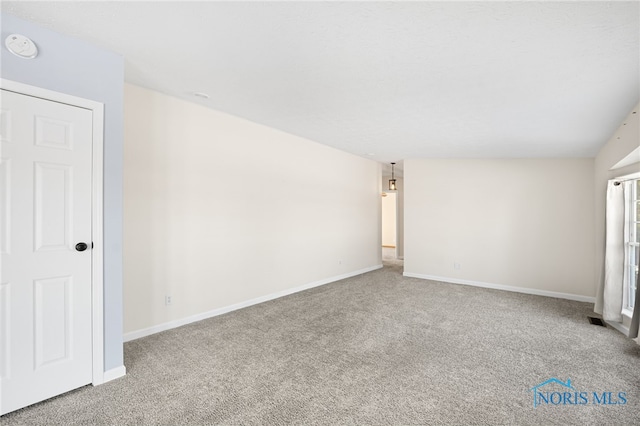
392 181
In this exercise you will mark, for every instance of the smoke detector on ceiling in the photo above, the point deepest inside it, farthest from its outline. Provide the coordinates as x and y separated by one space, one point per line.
21 46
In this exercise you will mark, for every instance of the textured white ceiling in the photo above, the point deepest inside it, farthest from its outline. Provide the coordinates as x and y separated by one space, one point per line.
395 79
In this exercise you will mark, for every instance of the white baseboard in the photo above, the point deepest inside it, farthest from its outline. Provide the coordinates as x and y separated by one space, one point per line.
525 290
618 326
114 373
133 335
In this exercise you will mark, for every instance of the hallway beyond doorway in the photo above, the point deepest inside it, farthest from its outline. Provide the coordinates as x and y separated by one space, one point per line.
389 257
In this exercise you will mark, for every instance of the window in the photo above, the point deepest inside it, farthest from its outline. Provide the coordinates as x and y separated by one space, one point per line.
632 245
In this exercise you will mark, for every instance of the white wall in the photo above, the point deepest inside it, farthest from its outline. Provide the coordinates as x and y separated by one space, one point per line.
220 210
520 223
624 140
389 219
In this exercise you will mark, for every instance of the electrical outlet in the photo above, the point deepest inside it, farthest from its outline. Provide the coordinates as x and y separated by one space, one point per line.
167 300
456 265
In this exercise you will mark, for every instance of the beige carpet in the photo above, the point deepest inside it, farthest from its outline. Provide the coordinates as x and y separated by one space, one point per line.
374 349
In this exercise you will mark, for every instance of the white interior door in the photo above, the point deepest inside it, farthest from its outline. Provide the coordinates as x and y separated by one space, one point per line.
45 280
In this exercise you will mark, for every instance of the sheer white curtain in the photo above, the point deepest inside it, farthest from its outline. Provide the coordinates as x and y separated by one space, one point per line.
614 269
634 327
609 301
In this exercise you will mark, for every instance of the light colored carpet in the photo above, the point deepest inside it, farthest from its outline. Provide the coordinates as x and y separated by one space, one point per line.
373 349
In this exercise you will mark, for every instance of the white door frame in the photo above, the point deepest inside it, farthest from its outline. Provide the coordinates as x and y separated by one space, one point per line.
97 295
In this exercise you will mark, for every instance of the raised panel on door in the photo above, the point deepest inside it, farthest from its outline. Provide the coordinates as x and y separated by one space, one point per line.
52 206
53 133
52 321
5 125
5 206
46 290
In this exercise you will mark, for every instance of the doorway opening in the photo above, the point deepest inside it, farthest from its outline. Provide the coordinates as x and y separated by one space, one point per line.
389 226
